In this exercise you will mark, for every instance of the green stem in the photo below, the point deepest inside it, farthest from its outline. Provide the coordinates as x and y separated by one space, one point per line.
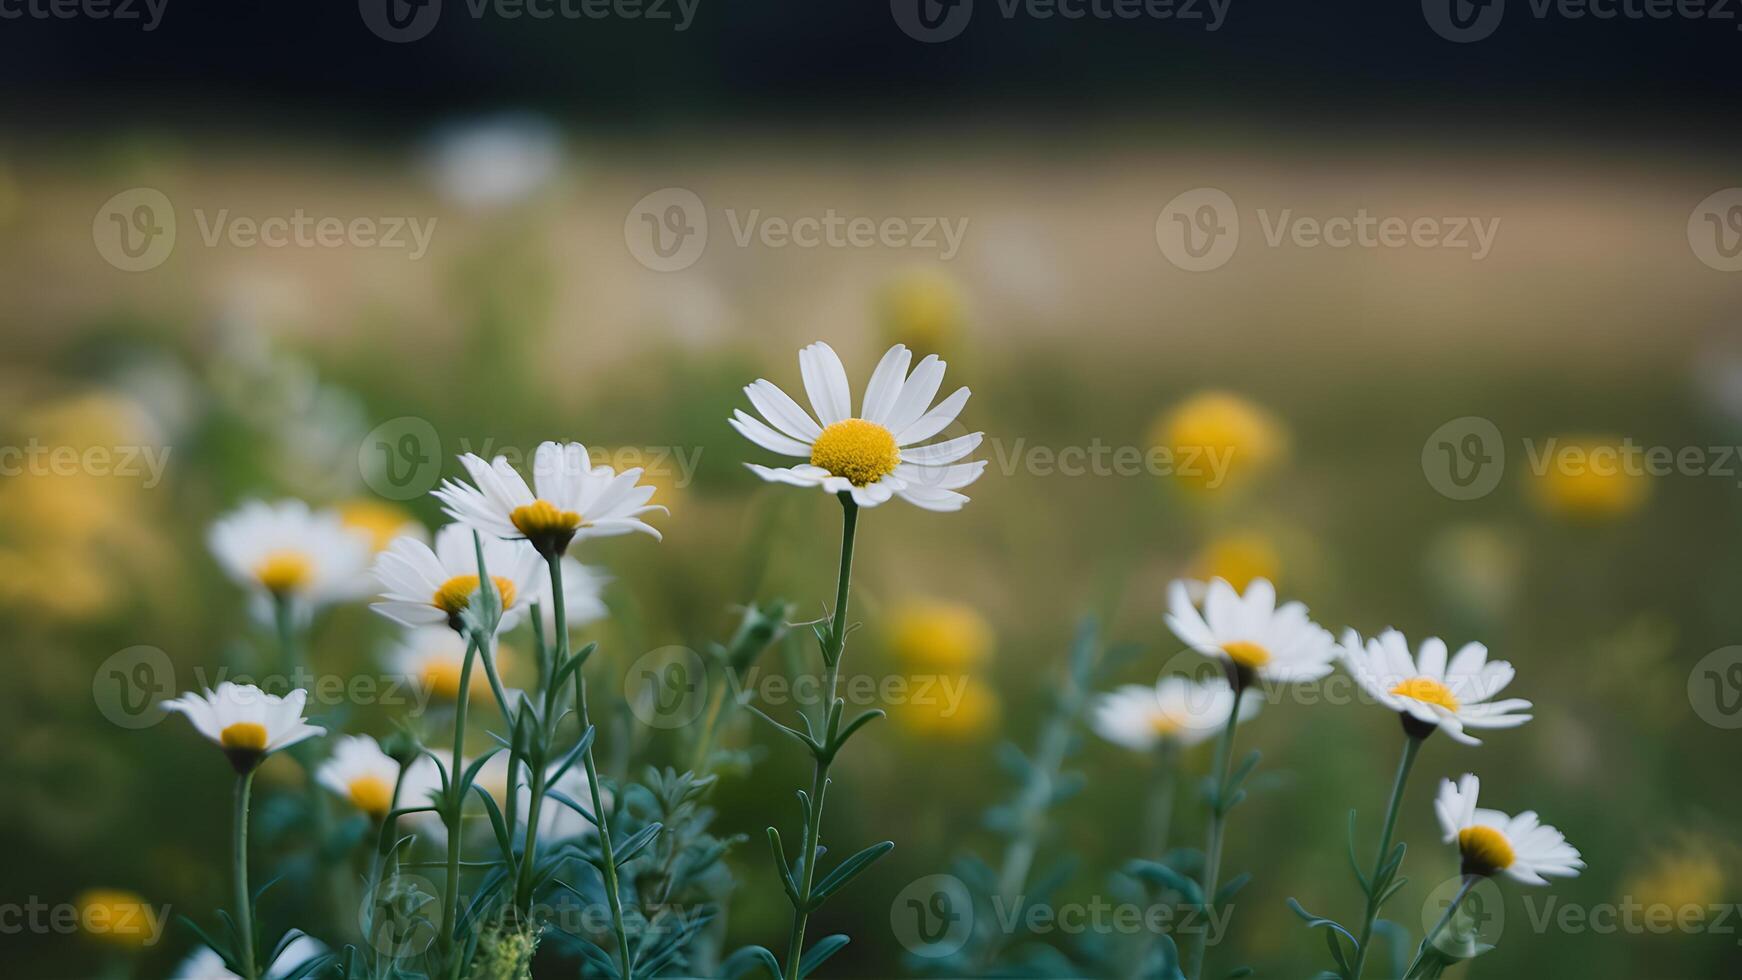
1376 887
1218 828
820 779
1427 942
604 822
456 803
244 901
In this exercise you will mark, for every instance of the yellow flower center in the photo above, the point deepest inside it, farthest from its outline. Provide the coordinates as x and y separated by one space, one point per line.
380 522
285 571
1246 654
543 519
456 593
247 736
1485 849
371 794
1428 691
1164 725
118 917
862 452
442 678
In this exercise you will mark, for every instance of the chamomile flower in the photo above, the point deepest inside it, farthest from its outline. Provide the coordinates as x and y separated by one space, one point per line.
425 587
1250 634
1176 709
360 772
574 500
873 455
246 722
1526 849
205 963
1431 692
289 551
583 596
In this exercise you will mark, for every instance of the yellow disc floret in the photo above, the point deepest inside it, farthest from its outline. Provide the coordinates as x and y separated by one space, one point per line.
284 571
862 452
246 736
1428 691
543 519
456 593
1246 654
1485 850
371 794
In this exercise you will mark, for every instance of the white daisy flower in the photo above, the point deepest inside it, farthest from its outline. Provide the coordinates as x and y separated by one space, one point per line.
287 550
246 722
873 455
583 596
1431 692
205 963
1525 848
1250 635
359 771
1176 709
424 587
575 500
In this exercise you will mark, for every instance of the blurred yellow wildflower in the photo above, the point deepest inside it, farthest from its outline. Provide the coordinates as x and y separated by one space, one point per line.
118 918
1691 875
956 706
940 635
379 521
1219 440
1237 558
924 309
1589 478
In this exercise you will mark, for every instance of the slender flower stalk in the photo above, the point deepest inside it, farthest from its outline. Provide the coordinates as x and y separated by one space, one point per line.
239 866
452 808
1217 830
820 779
1427 942
1376 887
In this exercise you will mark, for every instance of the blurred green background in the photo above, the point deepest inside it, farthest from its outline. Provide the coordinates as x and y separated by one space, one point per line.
270 372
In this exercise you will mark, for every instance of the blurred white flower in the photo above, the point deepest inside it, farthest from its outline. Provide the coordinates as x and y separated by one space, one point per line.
1176 709
494 161
1251 634
1523 847
288 550
425 587
1431 691
246 722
